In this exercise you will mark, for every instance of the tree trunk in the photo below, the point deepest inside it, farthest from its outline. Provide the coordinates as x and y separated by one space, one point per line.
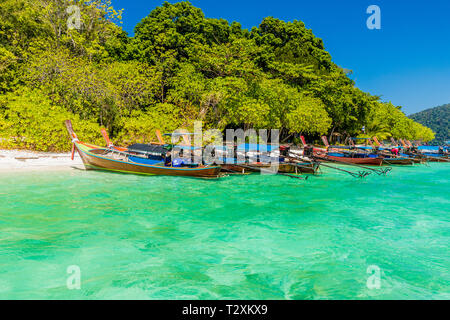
286 138
331 134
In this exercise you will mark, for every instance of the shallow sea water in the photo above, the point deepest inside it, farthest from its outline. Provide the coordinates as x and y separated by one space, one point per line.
240 237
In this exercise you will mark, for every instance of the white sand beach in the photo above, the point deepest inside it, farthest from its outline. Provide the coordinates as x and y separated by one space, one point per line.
23 160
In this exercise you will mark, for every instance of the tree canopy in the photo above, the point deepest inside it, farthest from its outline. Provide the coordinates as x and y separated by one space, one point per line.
178 68
438 119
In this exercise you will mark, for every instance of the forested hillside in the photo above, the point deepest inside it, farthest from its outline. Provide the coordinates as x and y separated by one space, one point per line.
179 67
438 119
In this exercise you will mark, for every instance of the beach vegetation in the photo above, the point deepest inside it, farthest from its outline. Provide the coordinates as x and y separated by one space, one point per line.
179 67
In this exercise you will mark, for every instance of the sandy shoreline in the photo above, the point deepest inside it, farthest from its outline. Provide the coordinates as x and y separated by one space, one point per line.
23 160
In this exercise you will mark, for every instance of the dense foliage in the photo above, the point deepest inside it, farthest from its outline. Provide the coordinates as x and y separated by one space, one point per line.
438 119
179 67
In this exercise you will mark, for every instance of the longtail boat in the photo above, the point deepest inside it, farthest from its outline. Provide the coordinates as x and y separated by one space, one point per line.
390 156
285 167
251 157
425 153
345 156
299 167
373 161
101 158
310 153
398 161
434 158
230 165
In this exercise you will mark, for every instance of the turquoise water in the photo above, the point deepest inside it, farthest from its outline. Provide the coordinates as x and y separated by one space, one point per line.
248 237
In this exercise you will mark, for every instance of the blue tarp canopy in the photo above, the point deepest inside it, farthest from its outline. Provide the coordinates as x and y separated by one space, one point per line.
256 147
145 160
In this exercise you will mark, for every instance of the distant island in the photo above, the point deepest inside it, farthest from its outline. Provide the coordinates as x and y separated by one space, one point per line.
437 119
72 60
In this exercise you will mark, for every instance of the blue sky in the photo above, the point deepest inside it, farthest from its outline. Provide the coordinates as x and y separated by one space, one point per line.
406 62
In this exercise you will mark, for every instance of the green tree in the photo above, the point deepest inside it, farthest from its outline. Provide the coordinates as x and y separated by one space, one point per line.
179 67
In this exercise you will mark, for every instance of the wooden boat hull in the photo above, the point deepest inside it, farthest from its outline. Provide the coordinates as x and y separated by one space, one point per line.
236 169
424 158
308 168
438 159
415 158
361 161
287 167
93 159
398 161
418 160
